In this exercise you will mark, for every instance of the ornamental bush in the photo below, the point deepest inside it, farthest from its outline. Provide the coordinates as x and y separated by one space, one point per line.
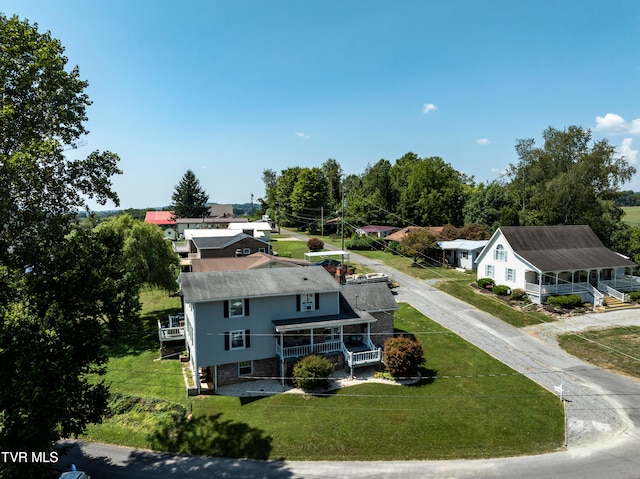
315 244
484 282
635 296
518 295
501 290
403 356
359 243
313 372
567 301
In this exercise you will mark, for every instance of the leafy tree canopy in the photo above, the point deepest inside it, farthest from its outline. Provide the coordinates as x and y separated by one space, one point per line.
57 284
189 198
570 179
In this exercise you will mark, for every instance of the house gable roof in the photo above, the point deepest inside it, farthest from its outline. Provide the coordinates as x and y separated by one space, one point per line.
221 242
369 297
462 244
399 235
564 247
377 228
221 285
159 218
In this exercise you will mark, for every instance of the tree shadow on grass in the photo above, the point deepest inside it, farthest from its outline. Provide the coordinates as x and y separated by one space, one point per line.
427 377
212 436
138 337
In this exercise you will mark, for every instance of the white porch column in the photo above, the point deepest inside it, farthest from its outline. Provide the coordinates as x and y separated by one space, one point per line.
311 332
368 333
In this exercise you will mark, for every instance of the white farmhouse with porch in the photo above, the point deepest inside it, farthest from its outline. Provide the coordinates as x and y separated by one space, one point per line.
557 260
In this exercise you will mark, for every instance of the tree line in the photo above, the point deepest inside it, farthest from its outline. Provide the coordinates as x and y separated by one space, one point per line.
569 178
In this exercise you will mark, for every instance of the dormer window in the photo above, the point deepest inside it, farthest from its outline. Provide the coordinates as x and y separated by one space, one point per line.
500 254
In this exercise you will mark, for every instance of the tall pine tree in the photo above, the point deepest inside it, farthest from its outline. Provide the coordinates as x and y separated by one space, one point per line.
189 198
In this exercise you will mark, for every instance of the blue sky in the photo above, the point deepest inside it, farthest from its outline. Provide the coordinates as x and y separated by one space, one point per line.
231 88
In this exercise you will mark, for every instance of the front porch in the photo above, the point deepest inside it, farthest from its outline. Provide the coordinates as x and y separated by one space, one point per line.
352 341
592 285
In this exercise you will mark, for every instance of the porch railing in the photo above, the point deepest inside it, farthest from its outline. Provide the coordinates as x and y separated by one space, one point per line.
364 357
628 283
306 349
619 295
556 288
172 333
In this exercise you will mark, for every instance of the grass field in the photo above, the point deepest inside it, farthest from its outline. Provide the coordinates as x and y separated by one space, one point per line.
615 348
468 405
631 215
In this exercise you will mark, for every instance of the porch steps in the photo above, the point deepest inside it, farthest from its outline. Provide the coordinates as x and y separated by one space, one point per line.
615 303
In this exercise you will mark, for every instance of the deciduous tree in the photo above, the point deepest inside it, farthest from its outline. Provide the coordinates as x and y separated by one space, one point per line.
56 285
570 179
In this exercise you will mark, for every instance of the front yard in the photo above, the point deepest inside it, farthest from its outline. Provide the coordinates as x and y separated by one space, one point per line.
467 405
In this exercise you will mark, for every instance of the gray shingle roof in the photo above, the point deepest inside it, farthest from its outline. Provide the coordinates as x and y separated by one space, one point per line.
220 285
220 242
566 247
370 297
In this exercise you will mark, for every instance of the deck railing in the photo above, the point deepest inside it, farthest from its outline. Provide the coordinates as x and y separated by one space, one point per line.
306 349
171 333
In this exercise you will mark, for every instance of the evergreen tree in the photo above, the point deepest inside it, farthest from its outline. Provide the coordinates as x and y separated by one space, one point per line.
189 198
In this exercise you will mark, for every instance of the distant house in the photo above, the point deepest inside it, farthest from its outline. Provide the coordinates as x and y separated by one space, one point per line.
183 224
401 234
242 325
228 246
556 260
259 229
165 220
461 253
253 261
221 211
379 231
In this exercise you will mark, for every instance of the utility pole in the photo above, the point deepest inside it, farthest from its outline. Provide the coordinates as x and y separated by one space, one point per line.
342 222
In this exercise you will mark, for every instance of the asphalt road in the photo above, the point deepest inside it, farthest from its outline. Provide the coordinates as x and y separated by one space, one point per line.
603 412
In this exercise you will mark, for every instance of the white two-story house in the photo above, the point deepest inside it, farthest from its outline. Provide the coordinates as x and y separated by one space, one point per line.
241 325
556 260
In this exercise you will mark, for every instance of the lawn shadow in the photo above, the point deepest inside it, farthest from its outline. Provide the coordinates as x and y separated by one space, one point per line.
138 337
427 377
212 436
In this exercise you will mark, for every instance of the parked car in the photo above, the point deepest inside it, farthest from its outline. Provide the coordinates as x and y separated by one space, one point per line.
327 262
74 475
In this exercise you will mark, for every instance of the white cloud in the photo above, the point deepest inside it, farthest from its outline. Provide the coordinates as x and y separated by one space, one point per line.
483 141
612 124
303 135
428 107
627 152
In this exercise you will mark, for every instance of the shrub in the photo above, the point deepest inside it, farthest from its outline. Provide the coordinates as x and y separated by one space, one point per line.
484 282
402 356
518 295
393 247
567 301
635 296
501 290
359 243
315 244
313 372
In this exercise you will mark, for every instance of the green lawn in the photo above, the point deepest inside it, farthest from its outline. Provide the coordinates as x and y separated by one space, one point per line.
631 215
615 348
468 405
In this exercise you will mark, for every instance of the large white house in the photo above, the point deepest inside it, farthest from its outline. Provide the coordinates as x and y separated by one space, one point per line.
556 260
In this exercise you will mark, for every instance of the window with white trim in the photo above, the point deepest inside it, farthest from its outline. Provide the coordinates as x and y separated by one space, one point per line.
510 275
246 251
236 308
500 253
237 339
307 302
489 271
245 368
